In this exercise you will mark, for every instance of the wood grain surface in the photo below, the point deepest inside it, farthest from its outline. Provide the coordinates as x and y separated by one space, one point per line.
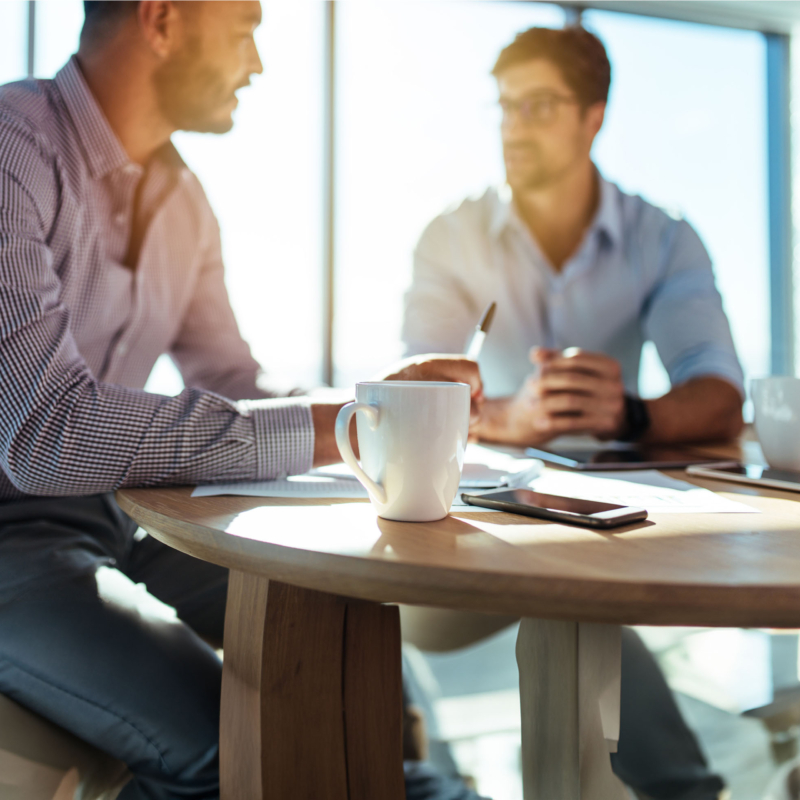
311 696
674 569
569 679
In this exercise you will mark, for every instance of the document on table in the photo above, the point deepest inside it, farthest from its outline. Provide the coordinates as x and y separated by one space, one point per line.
484 468
308 485
649 489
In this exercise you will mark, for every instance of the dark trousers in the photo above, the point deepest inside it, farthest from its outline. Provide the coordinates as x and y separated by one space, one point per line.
113 663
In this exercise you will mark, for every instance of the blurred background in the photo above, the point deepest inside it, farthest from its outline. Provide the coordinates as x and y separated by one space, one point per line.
370 119
373 117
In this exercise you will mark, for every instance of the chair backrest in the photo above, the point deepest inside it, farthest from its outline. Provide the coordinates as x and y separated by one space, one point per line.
35 755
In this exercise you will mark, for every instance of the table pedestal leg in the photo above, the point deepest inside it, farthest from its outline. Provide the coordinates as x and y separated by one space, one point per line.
311 696
569 678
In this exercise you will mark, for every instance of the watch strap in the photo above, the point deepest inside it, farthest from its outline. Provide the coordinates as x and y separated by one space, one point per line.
637 419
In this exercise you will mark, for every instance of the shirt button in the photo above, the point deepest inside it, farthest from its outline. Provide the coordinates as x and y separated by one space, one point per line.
119 218
122 349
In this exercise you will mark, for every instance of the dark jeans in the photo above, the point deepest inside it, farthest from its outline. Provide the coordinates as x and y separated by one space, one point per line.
657 754
109 661
84 647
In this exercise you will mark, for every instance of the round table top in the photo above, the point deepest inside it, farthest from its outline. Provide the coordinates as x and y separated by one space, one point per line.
721 569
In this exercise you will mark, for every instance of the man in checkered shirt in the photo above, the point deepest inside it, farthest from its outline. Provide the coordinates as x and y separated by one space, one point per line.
109 257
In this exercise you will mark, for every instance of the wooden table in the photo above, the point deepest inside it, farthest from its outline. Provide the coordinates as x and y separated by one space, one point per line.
311 697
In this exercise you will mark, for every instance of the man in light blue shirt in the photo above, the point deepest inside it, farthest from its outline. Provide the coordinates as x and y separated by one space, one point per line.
582 273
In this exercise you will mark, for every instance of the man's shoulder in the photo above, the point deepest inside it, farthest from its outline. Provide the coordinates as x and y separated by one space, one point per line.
660 232
472 217
30 112
641 217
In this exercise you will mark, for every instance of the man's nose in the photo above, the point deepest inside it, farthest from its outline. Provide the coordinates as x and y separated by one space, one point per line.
515 136
255 67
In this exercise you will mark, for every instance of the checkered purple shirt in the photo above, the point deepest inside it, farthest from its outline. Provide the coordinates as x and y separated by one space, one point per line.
85 312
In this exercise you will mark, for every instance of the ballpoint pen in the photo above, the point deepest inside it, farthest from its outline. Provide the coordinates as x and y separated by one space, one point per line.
481 329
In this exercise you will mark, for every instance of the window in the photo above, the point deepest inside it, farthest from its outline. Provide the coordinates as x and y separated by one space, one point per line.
418 130
264 181
13 40
58 26
686 129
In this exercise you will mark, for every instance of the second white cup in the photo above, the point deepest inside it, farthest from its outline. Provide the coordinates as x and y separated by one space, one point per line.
777 406
411 437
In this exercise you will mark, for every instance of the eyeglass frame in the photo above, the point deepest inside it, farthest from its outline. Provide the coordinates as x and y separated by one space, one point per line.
508 106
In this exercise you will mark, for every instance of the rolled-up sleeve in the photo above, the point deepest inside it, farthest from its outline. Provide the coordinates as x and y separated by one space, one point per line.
684 316
63 432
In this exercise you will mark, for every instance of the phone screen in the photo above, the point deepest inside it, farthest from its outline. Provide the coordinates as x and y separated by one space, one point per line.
552 502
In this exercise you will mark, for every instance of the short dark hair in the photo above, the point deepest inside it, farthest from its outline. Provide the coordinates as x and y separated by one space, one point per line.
579 55
101 17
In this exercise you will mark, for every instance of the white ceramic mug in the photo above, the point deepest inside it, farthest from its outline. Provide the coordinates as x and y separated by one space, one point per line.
412 436
777 405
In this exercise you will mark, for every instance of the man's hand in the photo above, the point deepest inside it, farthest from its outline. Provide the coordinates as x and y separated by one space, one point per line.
327 402
436 367
570 392
577 392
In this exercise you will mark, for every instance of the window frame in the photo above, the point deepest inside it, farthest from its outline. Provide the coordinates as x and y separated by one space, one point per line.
779 162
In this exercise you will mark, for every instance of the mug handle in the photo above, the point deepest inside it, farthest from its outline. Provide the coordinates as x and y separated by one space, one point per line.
343 418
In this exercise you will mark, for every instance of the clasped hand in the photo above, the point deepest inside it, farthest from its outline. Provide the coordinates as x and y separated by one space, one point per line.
569 392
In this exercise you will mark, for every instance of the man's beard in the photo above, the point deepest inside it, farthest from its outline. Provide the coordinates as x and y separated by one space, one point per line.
189 92
537 174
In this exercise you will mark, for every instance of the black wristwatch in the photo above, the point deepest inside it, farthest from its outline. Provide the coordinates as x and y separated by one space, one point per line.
637 419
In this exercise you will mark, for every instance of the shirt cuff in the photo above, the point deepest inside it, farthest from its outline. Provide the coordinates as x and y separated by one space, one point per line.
284 431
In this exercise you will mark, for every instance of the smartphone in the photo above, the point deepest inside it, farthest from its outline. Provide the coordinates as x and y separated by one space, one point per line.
555 507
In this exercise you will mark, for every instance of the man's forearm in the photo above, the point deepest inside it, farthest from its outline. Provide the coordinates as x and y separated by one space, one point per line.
702 410
325 406
326 451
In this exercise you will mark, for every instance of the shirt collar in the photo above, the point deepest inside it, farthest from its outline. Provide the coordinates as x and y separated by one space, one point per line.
503 211
104 151
607 219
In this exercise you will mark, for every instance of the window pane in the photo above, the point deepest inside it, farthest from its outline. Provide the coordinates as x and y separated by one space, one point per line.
264 181
686 128
13 40
58 26
417 130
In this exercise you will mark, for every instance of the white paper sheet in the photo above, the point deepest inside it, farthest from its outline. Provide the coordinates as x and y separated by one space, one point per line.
649 489
484 468
295 486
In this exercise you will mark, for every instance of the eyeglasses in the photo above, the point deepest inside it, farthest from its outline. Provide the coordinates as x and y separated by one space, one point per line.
540 108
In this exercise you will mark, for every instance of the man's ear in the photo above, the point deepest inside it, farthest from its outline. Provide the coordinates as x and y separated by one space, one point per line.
160 23
595 114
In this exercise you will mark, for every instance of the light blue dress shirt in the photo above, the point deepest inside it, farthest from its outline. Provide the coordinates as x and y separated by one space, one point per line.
639 274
